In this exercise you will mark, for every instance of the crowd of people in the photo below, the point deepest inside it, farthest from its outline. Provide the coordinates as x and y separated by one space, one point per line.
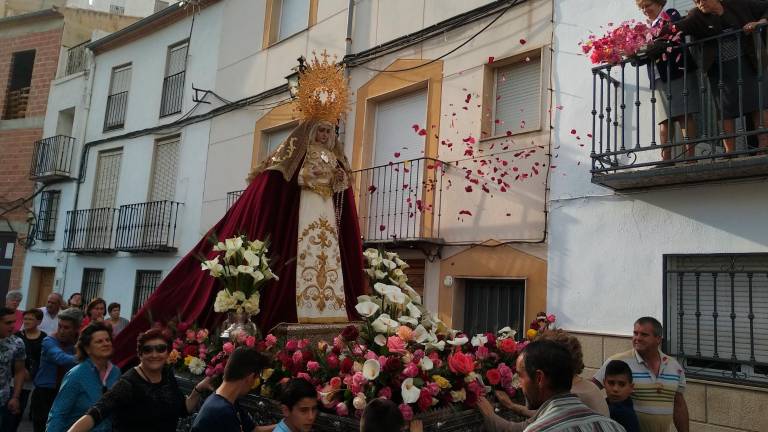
63 366
39 346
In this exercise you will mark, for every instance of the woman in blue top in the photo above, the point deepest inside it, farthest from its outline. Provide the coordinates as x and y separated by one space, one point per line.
84 384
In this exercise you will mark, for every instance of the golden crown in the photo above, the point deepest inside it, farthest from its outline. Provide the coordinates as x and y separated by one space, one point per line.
322 93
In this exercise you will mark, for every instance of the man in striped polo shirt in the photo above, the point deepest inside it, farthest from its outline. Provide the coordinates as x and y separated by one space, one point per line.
659 380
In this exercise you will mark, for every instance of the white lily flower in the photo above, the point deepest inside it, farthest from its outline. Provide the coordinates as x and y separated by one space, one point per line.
366 308
390 265
436 345
385 324
459 341
379 274
409 391
256 246
371 253
380 340
363 298
251 258
213 266
400 263
255 274
415 296
426 364
478 340
383 289
232 271
371 369
231 246
413 310
408 320
391 255
506 332
420 334
397 297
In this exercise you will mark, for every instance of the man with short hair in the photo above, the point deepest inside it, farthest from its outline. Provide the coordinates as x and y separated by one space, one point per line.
51 313
298 401
56 359
12 355
12 301
221 411
545 370
658 378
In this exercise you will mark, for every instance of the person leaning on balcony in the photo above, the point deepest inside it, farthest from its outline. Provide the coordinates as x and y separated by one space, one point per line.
57 357
672 76
712 18
658 378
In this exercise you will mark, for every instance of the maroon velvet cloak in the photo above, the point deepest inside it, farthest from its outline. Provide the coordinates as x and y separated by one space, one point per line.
268 208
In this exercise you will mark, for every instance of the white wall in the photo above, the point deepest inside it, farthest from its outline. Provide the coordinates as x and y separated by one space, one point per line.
605 250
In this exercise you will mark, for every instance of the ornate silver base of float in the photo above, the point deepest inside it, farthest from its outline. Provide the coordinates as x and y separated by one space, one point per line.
314 332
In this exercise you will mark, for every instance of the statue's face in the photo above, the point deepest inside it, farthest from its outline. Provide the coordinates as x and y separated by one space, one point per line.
323 134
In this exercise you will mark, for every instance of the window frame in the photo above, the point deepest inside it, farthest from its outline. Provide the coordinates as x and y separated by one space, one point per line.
110 94
272 16
490 72
99 285
135 307
179 97
47 215
724 368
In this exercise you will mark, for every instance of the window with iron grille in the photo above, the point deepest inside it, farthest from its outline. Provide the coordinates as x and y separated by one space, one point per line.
716 315
117 101
173 83
146 282
45 228
492 304
93 281
116 9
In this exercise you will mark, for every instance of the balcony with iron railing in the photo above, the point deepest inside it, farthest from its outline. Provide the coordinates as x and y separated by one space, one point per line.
52 158
76 59
89 231
147 227
233 196
173 94
400 202
722 139
114 118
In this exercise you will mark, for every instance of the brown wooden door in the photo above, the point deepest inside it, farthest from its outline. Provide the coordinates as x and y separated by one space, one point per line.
42 279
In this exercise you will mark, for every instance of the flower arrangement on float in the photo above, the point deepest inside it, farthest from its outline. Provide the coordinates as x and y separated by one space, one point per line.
190 348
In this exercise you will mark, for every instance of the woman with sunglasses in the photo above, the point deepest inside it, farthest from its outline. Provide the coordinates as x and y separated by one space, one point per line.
147 397
85 383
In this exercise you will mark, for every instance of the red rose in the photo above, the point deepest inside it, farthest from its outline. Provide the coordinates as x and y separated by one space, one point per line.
346 365
332 361
425 400
307 355
393 364
191 350
508 345
491 340
461 363
350 333
493 375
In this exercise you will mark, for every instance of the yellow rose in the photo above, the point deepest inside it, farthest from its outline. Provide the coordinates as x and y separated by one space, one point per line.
441 382
173 356
266 391
266 373
187 360
531 333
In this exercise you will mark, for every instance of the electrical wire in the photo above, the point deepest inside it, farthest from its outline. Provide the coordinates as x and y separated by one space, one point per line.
449 52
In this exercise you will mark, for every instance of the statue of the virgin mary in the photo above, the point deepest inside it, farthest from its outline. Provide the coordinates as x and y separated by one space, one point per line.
301 199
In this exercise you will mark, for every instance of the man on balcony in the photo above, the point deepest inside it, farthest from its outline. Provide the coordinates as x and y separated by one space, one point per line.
659 380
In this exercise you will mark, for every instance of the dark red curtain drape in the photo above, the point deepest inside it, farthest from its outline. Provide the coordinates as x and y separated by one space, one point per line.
268 208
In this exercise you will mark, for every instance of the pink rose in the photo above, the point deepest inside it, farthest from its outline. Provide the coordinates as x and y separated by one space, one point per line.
342 410
433 388
332 361
250 341
298 358
305 376
270 340
358 350
406 411
411 370
335 383
395 345
383 361
482 352
370 355
302 344
385 393
291 345
551 318
508 345
201 335
228 347
313 366
190 335
177 344
418 355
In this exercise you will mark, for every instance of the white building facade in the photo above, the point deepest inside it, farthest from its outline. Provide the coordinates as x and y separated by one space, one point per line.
633 235
129 207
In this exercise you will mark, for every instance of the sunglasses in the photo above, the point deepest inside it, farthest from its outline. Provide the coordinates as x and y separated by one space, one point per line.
160 349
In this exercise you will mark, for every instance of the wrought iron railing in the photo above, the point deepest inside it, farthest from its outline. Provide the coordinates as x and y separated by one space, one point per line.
716 316
47 216
76 59
625 101
173 94
89 231
147 227
114 118
232 197
400 201
52 158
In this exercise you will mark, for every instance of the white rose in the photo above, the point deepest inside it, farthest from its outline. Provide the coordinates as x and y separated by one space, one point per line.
224 302
459 396
370 253
359 401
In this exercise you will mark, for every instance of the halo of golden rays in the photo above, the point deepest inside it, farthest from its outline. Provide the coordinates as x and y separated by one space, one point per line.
323 92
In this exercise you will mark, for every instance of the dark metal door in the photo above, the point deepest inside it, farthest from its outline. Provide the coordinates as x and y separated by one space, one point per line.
491 304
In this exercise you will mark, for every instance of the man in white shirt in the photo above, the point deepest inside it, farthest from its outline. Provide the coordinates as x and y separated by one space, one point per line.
51 313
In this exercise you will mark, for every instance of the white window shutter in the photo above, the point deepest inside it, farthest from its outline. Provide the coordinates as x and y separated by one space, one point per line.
121 80
394 128
107 178
165 169
294 17
274 138
518 97
177 59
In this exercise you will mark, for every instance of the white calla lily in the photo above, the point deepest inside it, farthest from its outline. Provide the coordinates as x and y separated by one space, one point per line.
415 296
384 289
397 297
436 345
426 364
366 308
459 341
409 391
380 340
506 332
408 320
478 340
420 334
389 264
371 369
213 266
413 310
251 258
385 324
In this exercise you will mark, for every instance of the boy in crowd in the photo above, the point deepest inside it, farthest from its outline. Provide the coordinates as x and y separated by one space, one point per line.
619 387
298 401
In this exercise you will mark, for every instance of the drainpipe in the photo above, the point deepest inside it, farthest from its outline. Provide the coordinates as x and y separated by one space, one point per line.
90 73
348 51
